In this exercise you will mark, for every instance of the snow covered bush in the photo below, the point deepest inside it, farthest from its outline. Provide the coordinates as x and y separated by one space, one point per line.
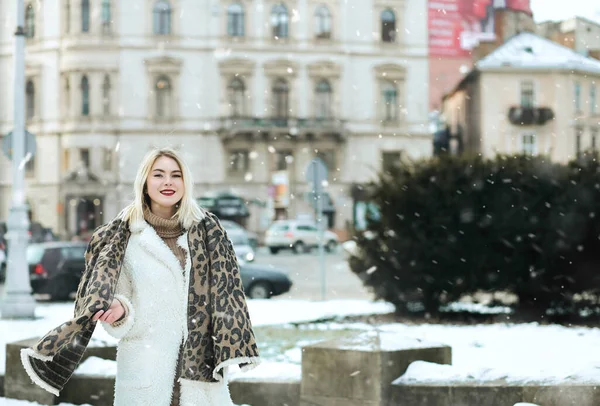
452 226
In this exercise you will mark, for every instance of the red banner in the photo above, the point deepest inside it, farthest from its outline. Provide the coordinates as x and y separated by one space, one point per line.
458 26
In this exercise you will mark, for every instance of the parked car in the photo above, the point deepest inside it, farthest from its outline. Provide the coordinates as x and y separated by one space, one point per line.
233 226
263 282
241 245
298 236
56 267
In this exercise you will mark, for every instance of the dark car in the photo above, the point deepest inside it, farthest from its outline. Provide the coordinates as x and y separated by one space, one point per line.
262 282
55 268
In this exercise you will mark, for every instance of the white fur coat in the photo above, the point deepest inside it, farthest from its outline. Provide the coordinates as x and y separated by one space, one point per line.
154 288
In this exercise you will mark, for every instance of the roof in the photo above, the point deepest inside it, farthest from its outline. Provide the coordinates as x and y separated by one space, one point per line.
530 51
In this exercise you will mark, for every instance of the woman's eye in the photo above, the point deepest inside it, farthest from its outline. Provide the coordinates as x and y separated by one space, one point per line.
158 175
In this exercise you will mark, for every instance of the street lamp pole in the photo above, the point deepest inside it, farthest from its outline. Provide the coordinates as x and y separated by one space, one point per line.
18 302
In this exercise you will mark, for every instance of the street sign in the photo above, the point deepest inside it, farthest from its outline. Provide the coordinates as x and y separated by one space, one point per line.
30 146
316 172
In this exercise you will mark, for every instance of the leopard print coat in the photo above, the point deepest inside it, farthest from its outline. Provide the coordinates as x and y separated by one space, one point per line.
219 328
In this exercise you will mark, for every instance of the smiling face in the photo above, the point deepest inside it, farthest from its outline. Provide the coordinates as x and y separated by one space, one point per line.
165 186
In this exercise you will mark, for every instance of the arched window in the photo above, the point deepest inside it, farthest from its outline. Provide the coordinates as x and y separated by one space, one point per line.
29 21
235 20
162 17
390 101
106 96
85 96
281 98
237 97
279 21
388 26
163 96
323 22
30 99
323 99
106 17
85 15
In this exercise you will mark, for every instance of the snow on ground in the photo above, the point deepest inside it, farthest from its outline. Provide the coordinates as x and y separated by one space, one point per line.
515 353
262 313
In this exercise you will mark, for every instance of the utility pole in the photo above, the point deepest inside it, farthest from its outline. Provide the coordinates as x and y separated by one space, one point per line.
18 303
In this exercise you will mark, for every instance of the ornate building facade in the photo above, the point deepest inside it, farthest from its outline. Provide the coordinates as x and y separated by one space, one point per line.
249 90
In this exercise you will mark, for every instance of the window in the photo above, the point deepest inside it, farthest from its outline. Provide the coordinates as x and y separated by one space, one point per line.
67 16
106 20
108 159
162 18
283 160
30 99
239 161
578 142
323 22
528 144
30 21
279 21
281 98
73 252
390 101
106 96
85 96
84 157
390 160
237 97
388 26
235 20
307 228
527 94
67 104
323 96
328 157
593 106
577 97
163 96
85 15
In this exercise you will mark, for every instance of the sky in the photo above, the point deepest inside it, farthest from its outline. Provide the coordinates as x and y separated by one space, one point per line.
544 10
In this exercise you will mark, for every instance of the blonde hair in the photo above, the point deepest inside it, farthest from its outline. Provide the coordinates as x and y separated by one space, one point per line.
188 211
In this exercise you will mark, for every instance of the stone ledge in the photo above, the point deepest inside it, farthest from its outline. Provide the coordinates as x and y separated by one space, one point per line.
265 393
493 394
18 385
358 370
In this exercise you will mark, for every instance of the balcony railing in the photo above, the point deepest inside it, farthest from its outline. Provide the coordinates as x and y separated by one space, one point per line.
284 123
520 115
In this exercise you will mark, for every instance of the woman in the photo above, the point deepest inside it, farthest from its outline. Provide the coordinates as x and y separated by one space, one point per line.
162 278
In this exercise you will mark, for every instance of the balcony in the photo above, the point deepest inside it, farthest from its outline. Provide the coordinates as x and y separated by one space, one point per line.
295 127
520 115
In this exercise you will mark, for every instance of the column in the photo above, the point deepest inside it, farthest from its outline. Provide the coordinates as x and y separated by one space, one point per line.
259 97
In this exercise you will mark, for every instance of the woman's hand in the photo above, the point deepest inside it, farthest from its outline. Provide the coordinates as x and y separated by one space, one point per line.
114 313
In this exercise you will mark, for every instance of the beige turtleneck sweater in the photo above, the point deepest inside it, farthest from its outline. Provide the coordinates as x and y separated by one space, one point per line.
169 230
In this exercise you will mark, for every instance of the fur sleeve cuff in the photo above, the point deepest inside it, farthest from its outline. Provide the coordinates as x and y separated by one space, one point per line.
119 329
